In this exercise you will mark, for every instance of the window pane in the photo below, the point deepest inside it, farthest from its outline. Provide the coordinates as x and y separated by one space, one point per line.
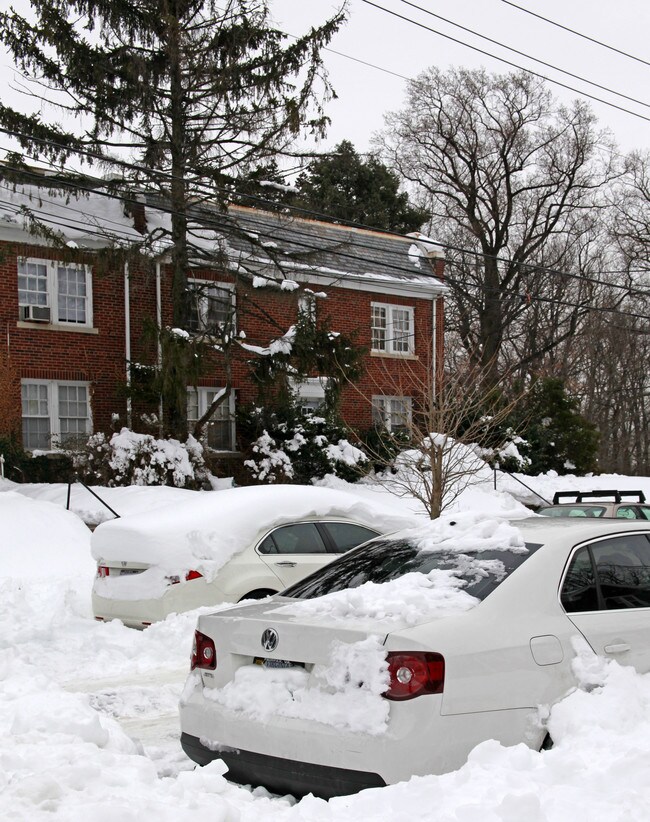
347 536
401 342
211 307
71 293
579 591
36 420
192 405
378 327
626 512
623 569
32 283
73 414
299 539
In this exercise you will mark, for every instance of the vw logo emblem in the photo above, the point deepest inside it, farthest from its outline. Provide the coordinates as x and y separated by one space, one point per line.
270 639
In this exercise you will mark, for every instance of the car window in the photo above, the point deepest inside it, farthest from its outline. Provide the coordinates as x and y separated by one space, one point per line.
387 559
346 535
645 512
302 538
626 512
574 511
623 571
579 591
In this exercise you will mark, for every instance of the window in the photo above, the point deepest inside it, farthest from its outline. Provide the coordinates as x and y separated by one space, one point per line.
303 538
393 557
310 394
346 536
63 288
55 414
220 431
392 328
623 571
621 579
212 306
393 413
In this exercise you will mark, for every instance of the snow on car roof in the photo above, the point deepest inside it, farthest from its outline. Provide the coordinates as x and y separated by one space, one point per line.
205 532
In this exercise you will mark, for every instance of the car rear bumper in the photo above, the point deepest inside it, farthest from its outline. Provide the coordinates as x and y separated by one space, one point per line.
282 775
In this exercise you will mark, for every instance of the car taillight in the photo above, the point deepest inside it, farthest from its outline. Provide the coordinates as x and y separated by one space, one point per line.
188 576
204 654
414 673
193 575
103 571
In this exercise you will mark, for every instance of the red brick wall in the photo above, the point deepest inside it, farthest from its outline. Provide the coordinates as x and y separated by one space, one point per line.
40 352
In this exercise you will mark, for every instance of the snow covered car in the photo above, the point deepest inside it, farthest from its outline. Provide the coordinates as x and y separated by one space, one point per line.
598 504
401 656
225 546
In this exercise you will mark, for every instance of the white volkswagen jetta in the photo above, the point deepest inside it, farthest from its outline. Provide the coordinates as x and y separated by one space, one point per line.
401 656
225 546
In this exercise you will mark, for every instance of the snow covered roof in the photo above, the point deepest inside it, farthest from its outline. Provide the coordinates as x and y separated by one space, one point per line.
89 219
278 247
310 249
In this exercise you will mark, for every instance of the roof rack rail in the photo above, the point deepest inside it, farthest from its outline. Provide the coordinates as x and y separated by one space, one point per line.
580 496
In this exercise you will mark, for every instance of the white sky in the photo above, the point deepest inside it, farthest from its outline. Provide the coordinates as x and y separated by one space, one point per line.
394 45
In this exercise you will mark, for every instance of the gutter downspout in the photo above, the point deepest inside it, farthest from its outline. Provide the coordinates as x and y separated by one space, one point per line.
159 323
127 344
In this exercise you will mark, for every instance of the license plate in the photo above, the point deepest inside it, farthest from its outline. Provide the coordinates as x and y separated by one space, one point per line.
277 663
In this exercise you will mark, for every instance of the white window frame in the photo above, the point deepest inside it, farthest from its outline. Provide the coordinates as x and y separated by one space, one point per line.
203 404
52 291
392 343
202 303
53 410
384 412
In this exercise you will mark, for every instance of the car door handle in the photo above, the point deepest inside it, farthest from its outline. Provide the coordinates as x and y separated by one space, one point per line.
286 564
617 649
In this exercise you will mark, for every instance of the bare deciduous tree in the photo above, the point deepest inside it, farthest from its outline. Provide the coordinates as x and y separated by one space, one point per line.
512 181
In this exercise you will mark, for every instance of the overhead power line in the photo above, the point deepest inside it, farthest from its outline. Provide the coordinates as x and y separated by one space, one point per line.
300 211
525 54
578 33
508 62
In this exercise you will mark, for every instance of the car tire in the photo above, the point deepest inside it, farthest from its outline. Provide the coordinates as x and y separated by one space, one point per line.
260 593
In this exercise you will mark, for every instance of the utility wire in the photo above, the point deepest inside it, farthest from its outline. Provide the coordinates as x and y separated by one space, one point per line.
319 215
525 54
525 297
578 33
507 62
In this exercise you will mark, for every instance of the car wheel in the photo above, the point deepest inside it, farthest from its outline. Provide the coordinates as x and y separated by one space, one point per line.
260 593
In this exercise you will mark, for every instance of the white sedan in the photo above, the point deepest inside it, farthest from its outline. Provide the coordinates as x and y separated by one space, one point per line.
400 657
225 546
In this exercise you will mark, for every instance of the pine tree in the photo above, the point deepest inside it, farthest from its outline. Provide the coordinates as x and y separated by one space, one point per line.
177 96
348 188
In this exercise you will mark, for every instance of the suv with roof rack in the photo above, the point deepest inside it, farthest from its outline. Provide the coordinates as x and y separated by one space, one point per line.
605 504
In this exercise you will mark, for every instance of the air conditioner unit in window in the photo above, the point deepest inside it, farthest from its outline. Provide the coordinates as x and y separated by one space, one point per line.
35 313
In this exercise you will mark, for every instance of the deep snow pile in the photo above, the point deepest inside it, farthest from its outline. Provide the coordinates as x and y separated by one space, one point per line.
88 726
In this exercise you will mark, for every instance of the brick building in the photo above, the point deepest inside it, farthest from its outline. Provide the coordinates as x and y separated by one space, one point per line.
73 311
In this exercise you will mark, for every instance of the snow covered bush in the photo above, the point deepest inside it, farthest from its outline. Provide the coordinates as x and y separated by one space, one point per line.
128 458
299 449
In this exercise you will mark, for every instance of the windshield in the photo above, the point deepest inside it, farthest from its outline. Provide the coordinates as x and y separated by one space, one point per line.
386 559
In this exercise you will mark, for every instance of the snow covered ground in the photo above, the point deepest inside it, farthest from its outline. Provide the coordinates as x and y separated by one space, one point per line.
88 710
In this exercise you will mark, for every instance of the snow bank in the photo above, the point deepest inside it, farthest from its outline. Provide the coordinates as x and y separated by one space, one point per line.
42 541
205 532
70 688
133 499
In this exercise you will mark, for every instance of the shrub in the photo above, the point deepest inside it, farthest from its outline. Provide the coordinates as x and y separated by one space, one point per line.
129 458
